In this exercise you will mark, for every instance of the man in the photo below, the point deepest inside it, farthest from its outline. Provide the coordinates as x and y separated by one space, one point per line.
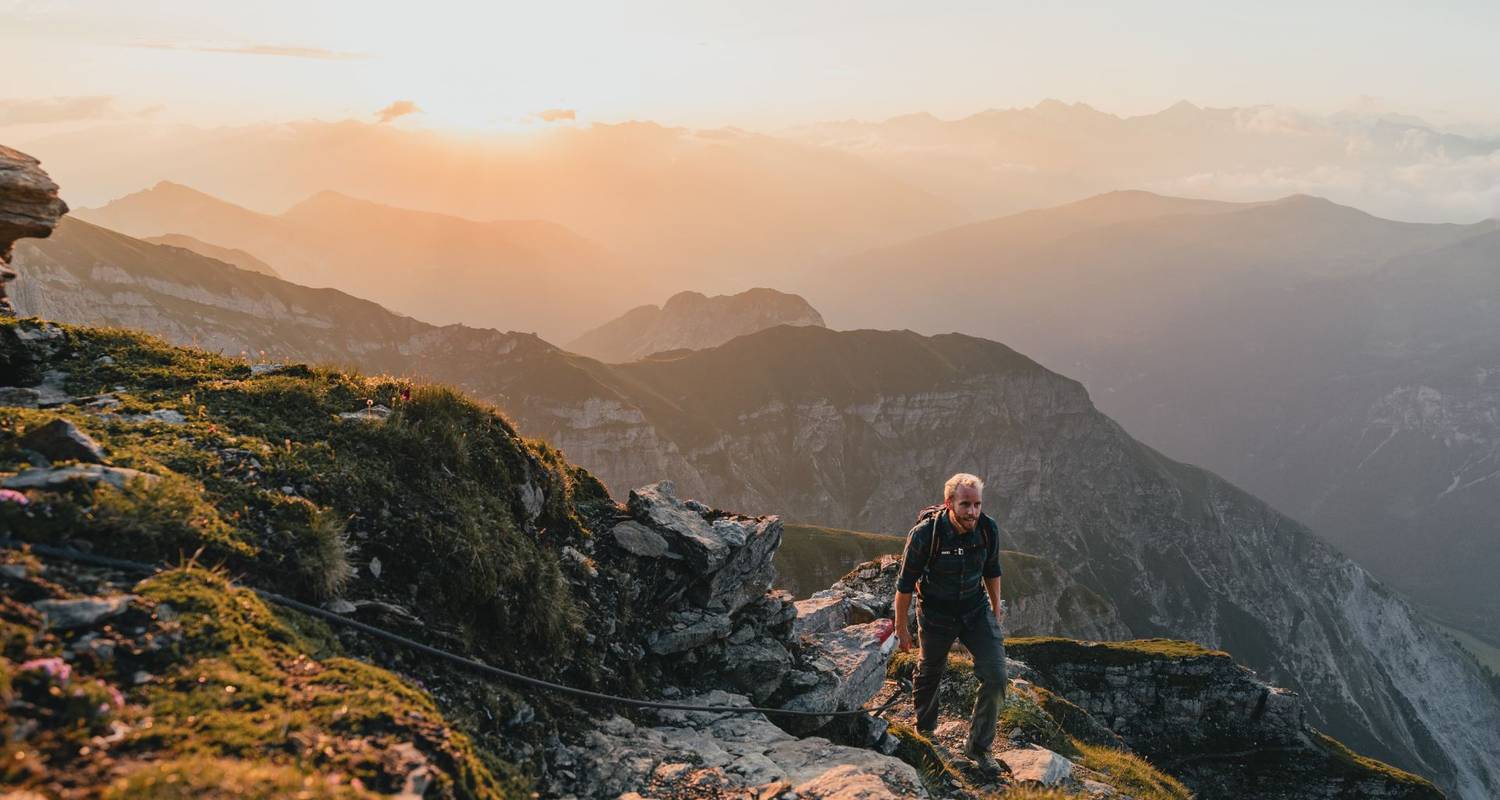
952 561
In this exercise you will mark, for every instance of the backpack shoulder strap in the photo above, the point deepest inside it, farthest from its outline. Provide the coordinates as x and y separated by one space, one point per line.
932 545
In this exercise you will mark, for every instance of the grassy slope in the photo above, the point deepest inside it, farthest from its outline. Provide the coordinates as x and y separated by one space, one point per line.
434 493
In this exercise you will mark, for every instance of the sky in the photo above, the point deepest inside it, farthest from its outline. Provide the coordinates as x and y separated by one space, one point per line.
761 65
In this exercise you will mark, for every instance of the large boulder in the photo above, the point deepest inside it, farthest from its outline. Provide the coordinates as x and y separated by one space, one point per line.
728 557
29 207
849 665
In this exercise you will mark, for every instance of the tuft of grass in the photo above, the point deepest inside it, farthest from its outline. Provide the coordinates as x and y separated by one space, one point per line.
199 778
1024 719
324 558
918 751
1130 773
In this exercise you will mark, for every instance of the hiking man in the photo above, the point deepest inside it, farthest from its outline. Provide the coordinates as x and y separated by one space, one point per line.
952 561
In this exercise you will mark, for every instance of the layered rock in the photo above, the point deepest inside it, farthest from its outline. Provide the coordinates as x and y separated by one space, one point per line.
1209 722
710 571
29 207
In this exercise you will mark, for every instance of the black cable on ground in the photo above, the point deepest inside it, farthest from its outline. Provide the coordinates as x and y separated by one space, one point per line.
463 661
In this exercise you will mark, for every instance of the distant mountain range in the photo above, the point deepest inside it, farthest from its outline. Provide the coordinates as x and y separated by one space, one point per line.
1342 366
228 255
530 275
857 429
709 208
691 321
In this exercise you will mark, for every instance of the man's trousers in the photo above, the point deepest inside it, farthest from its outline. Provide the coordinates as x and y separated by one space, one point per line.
981 634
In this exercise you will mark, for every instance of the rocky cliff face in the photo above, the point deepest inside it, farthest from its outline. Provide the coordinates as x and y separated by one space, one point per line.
691 321
1209 722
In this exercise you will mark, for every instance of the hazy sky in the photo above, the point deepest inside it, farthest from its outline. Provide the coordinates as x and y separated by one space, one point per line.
764 63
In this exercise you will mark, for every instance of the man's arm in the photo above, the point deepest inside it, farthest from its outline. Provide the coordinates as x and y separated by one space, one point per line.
913 563
992 574
903 621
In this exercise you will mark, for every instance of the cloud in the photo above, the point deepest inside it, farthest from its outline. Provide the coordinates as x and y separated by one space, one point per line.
283 51
44 110
398 109
557 115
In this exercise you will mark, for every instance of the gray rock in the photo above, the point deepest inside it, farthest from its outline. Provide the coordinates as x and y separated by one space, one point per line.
689 629
51 391
852 662
688 531
739 754
341 606
82 612
749 569
19 396
374 413
168 416
1036 765
266 369
55 477
757 667
821 615
61 440
637 539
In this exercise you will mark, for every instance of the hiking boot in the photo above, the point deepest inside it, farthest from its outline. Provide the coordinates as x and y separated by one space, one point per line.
985 762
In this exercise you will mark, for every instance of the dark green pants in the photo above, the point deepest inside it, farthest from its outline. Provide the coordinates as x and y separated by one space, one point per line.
979 632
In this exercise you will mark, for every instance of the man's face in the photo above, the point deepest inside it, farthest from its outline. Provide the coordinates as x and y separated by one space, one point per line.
963 508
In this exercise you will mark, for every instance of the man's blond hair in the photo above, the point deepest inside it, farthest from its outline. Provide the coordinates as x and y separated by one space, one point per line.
961 479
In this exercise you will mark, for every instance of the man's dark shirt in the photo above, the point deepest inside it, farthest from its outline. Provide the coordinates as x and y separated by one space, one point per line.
962 562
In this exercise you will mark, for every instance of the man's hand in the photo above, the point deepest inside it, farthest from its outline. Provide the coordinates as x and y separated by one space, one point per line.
903 640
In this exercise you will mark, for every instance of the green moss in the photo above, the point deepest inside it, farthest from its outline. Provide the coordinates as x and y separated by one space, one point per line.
1039 651
1357 766
227 779
1131 774
242 679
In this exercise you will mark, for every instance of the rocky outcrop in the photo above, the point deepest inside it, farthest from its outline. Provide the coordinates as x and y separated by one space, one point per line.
29 207
1208 721
720 628
691 321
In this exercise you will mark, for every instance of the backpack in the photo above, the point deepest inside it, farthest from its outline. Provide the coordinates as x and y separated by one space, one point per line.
932 512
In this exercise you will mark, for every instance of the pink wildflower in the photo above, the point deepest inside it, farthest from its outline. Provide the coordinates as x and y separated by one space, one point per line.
13 496
57 669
